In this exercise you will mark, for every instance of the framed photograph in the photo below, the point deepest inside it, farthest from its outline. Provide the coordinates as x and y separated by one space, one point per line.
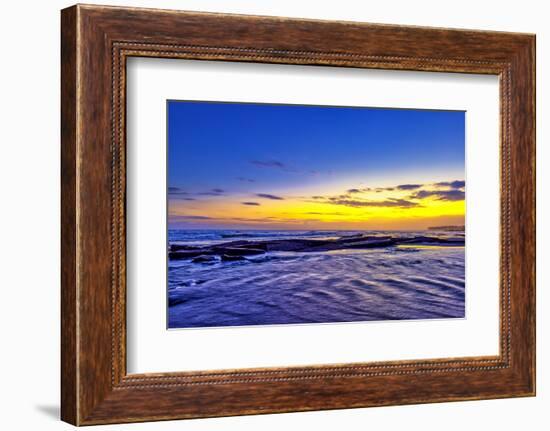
266 215
320 230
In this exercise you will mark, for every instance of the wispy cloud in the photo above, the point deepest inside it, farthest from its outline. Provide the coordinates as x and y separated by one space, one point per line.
408 186
457 184
213 192
290 168
268 196
190 217
269 164
324 213
387 203
442 195
355 197
251 203
272 220
245 180
177 191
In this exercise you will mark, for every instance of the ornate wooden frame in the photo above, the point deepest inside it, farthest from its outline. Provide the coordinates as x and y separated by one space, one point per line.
96 41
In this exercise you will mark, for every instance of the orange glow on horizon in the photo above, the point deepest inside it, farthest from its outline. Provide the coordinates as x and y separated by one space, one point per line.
384 208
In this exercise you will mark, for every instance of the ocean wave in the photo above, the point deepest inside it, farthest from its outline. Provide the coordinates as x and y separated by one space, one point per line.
211 236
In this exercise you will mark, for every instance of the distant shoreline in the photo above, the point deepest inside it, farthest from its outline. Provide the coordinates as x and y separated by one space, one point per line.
214 229
448 228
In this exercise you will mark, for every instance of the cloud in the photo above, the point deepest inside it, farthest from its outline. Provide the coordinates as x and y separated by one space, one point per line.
245 180
251 220
388 203
285 167
403 203
268 196
442 195
324 213
272 220
353 198
190 217
408 186
173 191
269 164
379 189
251 203
457 184
213 192
176 191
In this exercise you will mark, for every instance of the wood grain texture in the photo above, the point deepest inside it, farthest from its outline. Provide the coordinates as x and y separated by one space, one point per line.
69 397
96 41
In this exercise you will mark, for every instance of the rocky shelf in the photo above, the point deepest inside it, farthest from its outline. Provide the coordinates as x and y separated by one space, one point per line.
237 250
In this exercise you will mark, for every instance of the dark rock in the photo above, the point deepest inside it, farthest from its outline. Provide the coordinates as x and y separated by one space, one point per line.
428 240
373 243
423 239
185 254
231 258
257 245
348 243
296 244
348 237
240 243
261 245
238 251
360 238
234 250
180 247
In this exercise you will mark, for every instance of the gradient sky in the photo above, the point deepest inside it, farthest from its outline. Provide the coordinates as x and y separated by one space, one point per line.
263 166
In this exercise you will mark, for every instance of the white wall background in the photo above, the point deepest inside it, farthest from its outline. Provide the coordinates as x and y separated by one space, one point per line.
29 220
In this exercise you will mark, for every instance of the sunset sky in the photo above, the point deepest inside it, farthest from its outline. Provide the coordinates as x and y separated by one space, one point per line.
263 166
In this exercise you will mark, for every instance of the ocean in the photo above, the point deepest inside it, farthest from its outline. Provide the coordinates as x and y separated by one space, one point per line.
386 279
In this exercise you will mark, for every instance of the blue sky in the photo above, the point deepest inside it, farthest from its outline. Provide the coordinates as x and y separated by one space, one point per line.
235 152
